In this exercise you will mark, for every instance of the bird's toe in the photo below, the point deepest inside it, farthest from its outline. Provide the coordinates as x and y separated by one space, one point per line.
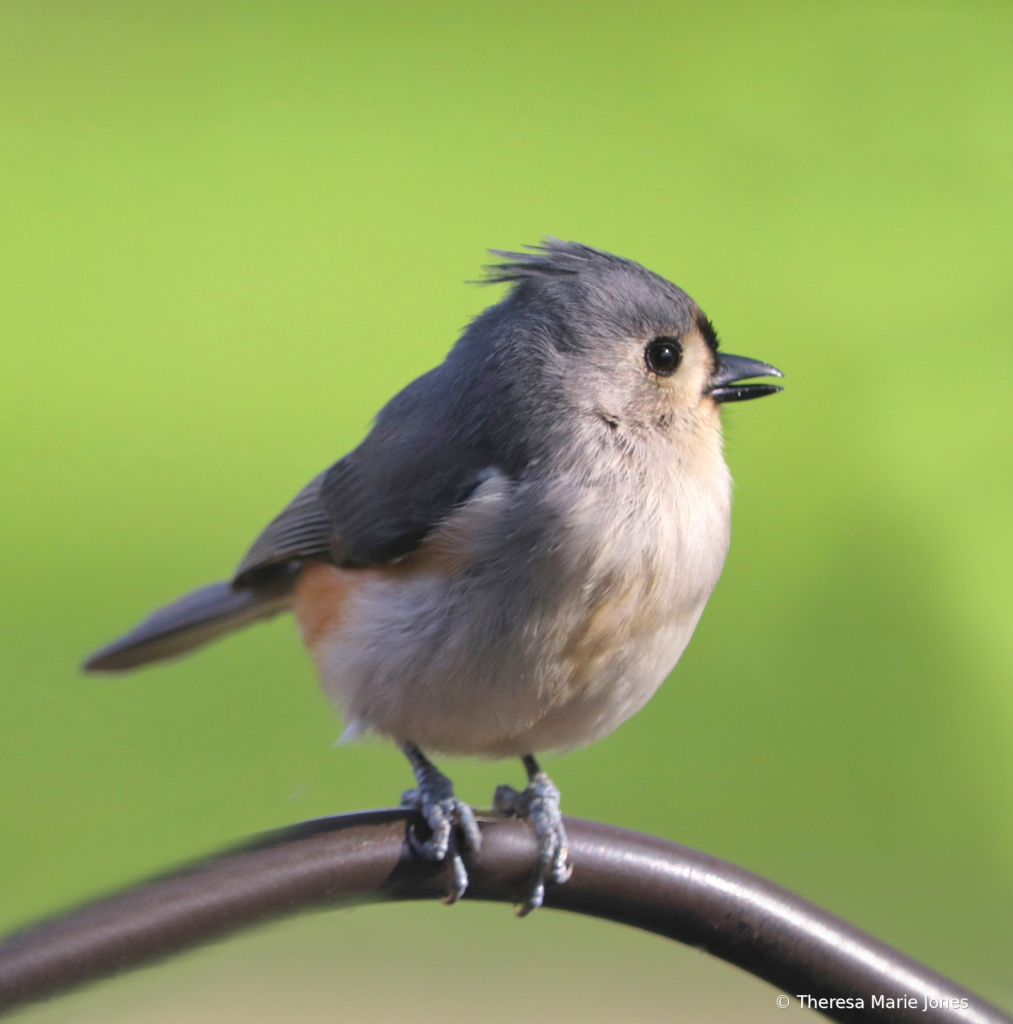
446 817
540 804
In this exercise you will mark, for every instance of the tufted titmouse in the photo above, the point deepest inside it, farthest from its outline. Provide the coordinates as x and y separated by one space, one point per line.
517 554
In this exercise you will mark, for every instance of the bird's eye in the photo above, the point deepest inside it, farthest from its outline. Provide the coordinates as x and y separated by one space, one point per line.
663 356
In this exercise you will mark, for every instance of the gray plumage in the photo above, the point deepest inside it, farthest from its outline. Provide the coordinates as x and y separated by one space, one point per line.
580 501
193 620
490 405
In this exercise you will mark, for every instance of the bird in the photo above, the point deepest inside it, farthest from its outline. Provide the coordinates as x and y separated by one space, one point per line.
517 554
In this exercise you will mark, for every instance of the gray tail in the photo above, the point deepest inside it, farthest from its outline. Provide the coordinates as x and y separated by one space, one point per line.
201 616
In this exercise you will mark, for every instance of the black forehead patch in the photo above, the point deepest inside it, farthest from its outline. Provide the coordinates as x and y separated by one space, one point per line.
707 330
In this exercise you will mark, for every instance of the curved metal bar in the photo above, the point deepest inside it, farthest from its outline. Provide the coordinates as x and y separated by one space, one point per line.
620 875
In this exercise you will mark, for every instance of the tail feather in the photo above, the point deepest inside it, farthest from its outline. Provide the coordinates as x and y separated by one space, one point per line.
197 618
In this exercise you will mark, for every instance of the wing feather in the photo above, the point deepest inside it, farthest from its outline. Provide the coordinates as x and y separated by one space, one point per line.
303 530
423 459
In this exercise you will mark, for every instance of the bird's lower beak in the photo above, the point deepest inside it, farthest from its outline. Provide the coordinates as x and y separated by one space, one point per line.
730 369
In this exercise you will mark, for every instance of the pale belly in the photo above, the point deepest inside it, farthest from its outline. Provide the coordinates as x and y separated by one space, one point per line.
406 658
497 667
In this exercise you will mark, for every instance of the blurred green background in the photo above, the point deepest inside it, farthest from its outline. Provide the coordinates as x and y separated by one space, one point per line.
232 230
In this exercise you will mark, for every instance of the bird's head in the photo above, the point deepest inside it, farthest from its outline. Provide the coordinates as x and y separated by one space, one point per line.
628 349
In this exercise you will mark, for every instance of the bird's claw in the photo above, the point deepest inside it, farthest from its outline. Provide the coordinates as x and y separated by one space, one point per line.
539 803
443 813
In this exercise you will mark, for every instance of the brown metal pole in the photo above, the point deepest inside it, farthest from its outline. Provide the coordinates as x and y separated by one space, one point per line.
619 875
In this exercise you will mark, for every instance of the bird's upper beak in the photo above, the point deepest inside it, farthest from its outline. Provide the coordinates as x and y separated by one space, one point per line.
723 386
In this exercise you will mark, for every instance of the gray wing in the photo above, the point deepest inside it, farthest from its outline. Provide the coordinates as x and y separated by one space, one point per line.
361 513
303 530
383 508
422 460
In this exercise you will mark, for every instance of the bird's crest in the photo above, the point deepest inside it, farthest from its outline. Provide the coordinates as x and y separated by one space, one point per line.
553 258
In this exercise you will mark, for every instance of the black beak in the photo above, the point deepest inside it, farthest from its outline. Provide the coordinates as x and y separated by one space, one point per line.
735 368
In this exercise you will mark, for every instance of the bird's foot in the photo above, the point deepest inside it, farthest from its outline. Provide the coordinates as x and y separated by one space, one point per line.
539 803
446 816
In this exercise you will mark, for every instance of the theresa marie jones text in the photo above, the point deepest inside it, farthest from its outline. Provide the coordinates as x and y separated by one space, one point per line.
905 1002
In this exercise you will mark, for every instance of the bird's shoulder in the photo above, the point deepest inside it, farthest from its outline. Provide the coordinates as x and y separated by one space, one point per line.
429 450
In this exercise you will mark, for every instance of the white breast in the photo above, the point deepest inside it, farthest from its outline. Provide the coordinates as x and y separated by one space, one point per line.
653 541
526 637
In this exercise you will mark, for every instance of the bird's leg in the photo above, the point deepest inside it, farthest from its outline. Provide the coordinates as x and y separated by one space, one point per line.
434 799
539 803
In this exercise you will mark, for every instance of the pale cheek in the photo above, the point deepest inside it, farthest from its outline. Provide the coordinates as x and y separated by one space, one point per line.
687 386
710 418
685 392
699 366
